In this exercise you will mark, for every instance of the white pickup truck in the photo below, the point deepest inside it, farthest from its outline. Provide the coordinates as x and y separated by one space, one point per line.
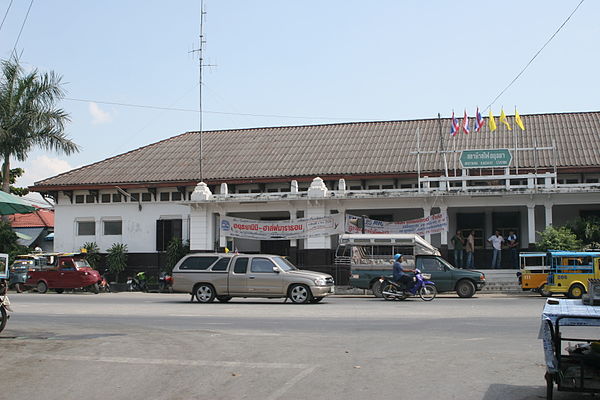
223 276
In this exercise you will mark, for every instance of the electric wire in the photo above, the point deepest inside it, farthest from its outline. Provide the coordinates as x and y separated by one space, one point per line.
204 111
534 57
5 14
22 26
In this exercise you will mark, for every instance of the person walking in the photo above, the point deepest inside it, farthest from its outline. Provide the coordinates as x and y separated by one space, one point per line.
459 244
496 240
513 244
470 249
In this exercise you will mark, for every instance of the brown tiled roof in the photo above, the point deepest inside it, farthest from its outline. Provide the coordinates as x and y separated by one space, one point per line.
40 218
359 149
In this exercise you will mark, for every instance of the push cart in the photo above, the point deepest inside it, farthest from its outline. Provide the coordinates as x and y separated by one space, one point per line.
572 363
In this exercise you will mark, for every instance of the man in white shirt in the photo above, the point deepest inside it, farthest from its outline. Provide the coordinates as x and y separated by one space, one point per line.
496 240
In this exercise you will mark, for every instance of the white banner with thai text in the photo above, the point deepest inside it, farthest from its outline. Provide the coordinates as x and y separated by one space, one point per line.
422 226
282 230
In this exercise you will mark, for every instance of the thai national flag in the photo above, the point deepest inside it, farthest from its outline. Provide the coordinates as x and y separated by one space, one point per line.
455 127
465 123
479 121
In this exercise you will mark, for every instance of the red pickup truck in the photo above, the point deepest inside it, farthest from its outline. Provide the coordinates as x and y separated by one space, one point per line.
70 271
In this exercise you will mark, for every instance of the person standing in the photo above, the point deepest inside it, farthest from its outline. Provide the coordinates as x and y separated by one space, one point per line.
513 244
470 249
459 244
496 240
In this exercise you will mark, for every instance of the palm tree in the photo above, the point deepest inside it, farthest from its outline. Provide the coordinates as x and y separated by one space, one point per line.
29 116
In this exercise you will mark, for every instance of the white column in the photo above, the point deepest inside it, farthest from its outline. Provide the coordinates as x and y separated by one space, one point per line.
426 213
202 229
444 234
531 223
548 214
222 237
318 242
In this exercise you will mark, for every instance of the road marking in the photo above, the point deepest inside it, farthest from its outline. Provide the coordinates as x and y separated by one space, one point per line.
288 385
160 361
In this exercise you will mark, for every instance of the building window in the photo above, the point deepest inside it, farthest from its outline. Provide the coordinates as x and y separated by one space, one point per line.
176 196
90 198
146 197
105 198
355 187
79 199
243 191
113 227
167 229
116 198
135 197
164 196
86 228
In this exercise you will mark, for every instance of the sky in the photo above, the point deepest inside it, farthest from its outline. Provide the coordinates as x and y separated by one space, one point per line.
278 63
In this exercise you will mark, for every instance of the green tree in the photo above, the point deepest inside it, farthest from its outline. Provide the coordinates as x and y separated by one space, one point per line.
92 254
117 259
587 230
14 174
175 251
8 242
560 238
28 115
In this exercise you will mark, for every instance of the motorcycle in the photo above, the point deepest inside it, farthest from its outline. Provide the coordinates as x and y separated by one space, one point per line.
137 283
421 286
103 285
165 283
4 304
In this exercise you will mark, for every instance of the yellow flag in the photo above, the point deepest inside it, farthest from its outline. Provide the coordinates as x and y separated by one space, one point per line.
504 120
518 120
492 121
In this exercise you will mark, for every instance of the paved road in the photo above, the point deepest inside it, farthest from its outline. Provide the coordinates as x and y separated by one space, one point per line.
152 346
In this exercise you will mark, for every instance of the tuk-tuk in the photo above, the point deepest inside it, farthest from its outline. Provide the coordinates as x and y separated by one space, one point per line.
21 266
571 270
533 272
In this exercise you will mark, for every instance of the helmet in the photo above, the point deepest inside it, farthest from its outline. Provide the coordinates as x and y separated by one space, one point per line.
397 257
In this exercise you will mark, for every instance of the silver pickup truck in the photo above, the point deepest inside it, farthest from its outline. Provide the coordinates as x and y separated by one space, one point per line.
223 276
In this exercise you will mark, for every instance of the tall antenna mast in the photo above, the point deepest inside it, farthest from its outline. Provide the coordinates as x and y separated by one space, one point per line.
200 51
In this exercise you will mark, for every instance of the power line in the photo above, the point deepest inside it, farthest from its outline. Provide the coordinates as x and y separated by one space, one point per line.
5 14
534 57
23 25
204 111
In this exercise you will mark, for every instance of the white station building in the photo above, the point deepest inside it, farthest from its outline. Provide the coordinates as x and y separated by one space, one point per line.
504 180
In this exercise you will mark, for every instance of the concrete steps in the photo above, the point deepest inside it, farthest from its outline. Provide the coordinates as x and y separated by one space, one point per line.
501 281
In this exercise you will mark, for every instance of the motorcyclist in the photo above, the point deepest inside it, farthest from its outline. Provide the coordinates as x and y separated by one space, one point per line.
401 272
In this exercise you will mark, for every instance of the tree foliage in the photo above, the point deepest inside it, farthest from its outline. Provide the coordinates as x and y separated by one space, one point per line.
8 242
28 115
558 238
587 230
14 174
175 251
117 259
92 254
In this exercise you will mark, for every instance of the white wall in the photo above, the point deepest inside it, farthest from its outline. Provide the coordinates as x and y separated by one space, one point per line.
138 229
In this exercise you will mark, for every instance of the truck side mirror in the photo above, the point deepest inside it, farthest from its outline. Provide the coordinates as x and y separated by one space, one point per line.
276 270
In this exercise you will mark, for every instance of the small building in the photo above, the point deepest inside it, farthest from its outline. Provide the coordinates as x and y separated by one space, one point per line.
35 229
389 171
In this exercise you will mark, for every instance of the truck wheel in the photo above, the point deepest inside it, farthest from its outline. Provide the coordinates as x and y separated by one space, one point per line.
95 288
544 292
205 293
42 287
376 288
300 294
576 291
465 289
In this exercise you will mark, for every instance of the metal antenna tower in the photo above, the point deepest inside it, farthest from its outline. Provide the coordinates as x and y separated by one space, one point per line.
200 51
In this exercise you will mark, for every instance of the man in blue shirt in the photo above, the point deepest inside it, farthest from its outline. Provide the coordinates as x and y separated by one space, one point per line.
400 271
